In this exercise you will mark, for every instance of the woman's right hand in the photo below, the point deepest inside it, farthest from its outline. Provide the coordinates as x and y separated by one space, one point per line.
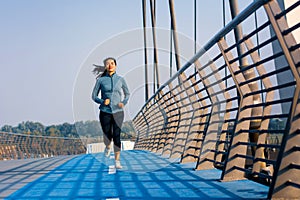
106 102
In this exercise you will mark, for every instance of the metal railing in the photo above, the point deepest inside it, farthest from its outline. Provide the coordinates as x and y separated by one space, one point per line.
230 115
23 146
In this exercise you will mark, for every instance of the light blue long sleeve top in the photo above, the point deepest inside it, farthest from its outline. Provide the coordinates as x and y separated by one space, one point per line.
111 87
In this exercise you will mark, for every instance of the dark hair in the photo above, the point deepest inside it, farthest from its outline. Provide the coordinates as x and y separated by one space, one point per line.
99 70
109 58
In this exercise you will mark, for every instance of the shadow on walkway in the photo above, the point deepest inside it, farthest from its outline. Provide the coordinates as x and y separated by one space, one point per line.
144 176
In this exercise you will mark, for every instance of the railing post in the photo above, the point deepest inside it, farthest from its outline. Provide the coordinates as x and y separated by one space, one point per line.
190 136
174 118
235 161
210 135
286 183
160 120
165 131
191 149
259 153
183 126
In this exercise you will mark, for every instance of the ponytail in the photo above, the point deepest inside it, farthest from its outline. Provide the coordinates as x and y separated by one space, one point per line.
99 71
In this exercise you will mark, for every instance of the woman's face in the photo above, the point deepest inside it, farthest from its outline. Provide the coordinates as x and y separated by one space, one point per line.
110 66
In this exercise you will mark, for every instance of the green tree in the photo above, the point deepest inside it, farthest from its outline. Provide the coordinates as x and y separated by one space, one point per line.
7 128
52 131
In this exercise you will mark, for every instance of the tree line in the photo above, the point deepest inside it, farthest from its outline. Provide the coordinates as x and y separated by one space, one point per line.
88 129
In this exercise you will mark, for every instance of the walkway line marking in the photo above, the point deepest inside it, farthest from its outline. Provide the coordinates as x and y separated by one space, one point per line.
112 169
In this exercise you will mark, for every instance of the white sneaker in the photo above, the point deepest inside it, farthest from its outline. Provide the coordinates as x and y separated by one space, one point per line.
118 165
107 152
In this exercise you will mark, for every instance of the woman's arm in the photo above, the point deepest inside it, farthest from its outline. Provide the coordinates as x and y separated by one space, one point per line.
126 92
96 91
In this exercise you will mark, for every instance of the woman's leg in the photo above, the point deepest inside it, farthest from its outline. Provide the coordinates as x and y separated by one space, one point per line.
116 125
106 124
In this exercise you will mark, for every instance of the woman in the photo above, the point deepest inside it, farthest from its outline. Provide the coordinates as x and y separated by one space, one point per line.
111 116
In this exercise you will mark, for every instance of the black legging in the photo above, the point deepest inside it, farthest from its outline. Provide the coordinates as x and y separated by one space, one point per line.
111 127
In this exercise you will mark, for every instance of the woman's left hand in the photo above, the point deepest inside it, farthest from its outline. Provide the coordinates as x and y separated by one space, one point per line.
121 105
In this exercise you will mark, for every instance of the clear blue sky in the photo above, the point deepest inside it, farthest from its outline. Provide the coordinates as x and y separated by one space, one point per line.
45 44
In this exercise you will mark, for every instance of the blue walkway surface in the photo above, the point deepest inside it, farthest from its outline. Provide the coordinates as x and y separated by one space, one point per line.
145 175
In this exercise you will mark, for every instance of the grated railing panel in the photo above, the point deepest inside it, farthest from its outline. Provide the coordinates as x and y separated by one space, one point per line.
225 107
22 146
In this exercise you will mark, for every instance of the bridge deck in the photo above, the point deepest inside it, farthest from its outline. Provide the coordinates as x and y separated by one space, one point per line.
145 175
